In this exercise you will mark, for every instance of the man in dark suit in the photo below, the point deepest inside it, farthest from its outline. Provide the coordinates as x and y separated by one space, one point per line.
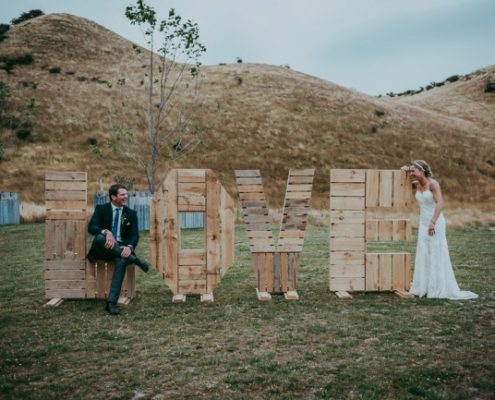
115 228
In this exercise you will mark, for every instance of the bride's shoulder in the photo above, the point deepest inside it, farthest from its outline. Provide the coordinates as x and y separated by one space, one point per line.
434 184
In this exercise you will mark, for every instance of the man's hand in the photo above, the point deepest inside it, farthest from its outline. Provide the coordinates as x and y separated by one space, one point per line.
126 251
111 242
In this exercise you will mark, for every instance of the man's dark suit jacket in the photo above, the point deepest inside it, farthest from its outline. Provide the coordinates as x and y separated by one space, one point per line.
102 219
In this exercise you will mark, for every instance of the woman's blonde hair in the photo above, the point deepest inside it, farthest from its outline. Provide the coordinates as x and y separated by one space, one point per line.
423 166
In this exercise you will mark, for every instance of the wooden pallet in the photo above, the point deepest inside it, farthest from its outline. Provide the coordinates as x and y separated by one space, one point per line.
275 266
65 234
192 271
352 192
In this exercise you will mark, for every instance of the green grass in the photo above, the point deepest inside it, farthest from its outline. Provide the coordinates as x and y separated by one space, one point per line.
376 346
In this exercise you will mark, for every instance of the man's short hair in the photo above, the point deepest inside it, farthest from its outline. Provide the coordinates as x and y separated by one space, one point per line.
114 189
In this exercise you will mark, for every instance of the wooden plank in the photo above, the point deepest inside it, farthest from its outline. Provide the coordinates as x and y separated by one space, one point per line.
386 188
372 188
372 272
250 189
191 189
276 272
63 274
212 224
227 230
302 172
66 185
191 200
372 229
207 298
248 181
258 260
347 258
347 230
171 232
347 189
65 293
259 234
65 284
407 270
347 244
304 180
66 215
347 271
192 257
191 208
55 302
292 270
298 195
90 279
385 229
385 271
241 173
398 272
263 296
284 271
291 295
65 264
346 203
346 284
252 196
192 286
347 175
299 188
179 298
66 195
191 175
346 216
65 176
343 295
268 272
192 272
403 294
293 234
66 205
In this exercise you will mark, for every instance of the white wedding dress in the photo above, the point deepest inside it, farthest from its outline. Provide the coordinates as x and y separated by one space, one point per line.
433 274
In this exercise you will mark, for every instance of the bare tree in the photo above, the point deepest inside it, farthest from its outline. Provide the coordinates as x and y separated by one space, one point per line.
171 69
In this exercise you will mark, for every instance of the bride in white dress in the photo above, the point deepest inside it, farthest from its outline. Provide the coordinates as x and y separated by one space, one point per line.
433 274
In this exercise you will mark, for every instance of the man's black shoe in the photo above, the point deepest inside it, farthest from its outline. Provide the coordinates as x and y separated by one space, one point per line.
112 309
142 264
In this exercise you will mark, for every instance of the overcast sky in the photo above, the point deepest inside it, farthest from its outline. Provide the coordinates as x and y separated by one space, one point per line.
374 46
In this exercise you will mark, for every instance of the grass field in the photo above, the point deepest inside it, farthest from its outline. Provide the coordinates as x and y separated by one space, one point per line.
376 346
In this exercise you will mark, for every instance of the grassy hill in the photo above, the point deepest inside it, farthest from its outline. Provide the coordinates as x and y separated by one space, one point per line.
251 116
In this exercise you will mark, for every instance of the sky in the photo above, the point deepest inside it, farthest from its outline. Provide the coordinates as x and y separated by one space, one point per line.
373 46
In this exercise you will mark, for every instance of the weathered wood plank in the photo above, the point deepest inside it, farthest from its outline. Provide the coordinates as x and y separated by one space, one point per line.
346 284
192 257
347 189
191 175
372 272
346 203
65 176
372 188
386 188
347 175
347 230
59 185
347 244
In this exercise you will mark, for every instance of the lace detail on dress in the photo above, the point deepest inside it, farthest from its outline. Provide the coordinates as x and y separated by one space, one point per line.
433 273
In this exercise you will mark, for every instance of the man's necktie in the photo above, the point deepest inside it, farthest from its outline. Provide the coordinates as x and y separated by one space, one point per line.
115 224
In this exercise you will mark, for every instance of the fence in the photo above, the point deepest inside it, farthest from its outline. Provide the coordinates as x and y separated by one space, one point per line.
140 202
9 208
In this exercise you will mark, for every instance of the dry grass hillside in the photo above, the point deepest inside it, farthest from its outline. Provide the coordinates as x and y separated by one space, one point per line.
251 116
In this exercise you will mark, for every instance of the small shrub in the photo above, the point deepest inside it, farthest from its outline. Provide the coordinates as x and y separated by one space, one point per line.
453 78
24 131
92 141
27 15
3 31
374 129
239 60
238 80
69 72
10 62
29 84
490 87
379 113
82 78
55 70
